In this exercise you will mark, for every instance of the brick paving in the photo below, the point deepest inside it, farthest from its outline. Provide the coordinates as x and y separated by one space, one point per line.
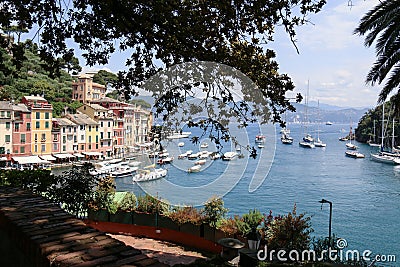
48 236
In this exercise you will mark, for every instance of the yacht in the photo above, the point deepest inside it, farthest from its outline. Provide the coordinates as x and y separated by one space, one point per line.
195 168
145 175
123 170
229 155
354 154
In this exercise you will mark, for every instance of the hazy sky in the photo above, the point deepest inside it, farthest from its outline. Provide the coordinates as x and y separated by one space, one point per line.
333 59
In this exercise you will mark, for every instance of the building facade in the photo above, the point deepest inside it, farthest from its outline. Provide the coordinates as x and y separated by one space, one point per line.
85 90
41 117
105 121
6 136
22 127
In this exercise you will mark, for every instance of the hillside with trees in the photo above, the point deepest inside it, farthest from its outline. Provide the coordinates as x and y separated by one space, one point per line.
365 129
30 77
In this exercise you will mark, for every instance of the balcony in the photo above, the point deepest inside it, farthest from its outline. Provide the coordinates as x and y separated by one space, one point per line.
42 140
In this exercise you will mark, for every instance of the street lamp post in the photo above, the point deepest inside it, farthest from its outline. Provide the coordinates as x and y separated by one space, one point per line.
330 218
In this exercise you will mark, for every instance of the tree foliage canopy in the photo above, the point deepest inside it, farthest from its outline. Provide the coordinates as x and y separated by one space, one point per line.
164 33
381 26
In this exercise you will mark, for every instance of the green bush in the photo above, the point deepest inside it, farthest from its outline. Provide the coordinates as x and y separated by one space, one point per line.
151 204
128 203
214 211
248 221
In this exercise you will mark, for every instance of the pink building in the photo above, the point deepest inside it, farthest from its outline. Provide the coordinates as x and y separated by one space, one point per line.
22 128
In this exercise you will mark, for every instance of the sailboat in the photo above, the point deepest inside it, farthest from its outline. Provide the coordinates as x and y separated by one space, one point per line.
308 140
382 156
350 145
371 141
285 137
318 142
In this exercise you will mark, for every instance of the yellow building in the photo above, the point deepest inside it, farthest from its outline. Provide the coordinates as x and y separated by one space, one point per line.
88 133
41 123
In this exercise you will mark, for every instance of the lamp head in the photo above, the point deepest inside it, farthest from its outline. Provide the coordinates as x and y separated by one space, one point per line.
323 201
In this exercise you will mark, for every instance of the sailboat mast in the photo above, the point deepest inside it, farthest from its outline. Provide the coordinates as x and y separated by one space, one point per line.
383 126
393 134
374 132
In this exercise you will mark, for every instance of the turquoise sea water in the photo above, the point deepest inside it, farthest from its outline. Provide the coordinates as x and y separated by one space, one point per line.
365 194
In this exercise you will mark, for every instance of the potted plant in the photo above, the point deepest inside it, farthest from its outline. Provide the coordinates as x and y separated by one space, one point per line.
247 227
227 228
188 218
147 210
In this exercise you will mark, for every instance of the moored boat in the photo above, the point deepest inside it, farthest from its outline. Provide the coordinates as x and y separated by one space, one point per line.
354 154
229 155
195 168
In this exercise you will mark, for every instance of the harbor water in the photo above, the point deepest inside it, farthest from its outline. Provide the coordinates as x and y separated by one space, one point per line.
365 194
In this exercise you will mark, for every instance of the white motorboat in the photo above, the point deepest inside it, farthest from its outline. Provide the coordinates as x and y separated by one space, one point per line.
328 123
306 145
178 135
200 162
355 154
181 144
286 141
195 168
123 170
145 175
229 155
260 146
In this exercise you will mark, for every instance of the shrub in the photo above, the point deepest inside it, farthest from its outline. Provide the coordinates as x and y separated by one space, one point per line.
186 214
289 232
151 204
229 225
128 203
214 210
104 195
248 221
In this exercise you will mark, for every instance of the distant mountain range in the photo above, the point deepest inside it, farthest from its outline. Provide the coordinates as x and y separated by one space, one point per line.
326 112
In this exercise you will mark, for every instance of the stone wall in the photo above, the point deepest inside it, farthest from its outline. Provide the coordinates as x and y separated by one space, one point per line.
42 234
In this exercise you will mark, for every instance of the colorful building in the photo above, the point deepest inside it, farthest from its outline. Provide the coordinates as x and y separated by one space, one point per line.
68 138
87 131
41 117
118 108
85 90
6 135
105 120
22 127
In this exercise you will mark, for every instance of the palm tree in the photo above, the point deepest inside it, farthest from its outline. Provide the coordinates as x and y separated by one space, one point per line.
382 24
